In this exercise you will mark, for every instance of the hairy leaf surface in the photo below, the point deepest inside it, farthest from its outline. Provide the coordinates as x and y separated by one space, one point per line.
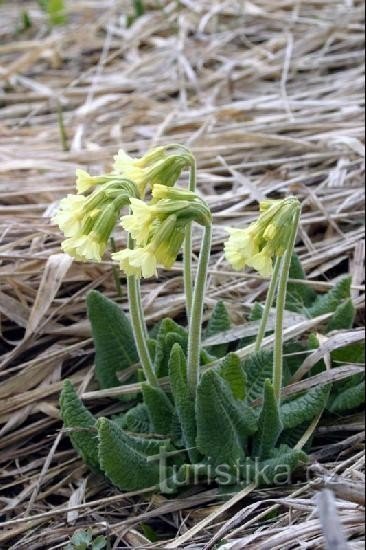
304 408
160 410
80 424
184 402
115 348
328 303
269 424
222 423
125 459
219 322
258 368
232 371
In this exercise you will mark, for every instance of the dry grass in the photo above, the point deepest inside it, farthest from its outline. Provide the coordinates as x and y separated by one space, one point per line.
269 94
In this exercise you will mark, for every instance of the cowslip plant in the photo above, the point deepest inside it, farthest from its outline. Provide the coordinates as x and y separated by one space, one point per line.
200 414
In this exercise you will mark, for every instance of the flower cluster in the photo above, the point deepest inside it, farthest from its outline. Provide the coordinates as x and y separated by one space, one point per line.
157 228
267 238
87 222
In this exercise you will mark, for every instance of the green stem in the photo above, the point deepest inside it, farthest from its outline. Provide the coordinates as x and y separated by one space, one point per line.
188 278
195 325
139 327
280 309
268 305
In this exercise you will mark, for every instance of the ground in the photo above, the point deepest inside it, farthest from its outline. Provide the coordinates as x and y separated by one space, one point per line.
269 95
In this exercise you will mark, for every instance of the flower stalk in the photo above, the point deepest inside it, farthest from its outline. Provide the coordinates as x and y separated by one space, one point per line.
188 278
195 325
268 305
138 326
280 307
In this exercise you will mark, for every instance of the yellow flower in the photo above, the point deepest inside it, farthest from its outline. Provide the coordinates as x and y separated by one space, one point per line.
69 216
140 262
162 192
262 262
123 161
138 224
84 247
85 181
240 247
138 170
264 239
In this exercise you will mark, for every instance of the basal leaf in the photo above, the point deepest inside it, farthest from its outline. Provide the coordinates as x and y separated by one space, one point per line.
170 333
256 313
184 403
115 348
276 470
125 460
354 353
222 423
137 420
231 370
304 408
292 436
219 322
269 424
299 295
343 318
160 410
328 303
258 368
350 398
80 424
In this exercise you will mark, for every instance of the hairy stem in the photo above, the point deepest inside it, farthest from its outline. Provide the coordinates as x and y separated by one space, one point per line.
280 309
269 303
139 326
188 279
195 326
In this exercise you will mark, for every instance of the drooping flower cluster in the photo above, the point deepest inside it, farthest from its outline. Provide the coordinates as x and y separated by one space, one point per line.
87 222
157 228
265 239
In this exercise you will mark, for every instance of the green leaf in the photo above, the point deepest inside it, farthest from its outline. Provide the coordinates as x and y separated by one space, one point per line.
80 424
276 470
343 318
170 333
292 436
137 420
160 409
25 22
184 403
115 348
349 399
139 8
222 424
99 543
329 302
232 372
219 322
125 459
256 313
56 12
354 353
258 368
304 408
81 539
299 296
269 424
